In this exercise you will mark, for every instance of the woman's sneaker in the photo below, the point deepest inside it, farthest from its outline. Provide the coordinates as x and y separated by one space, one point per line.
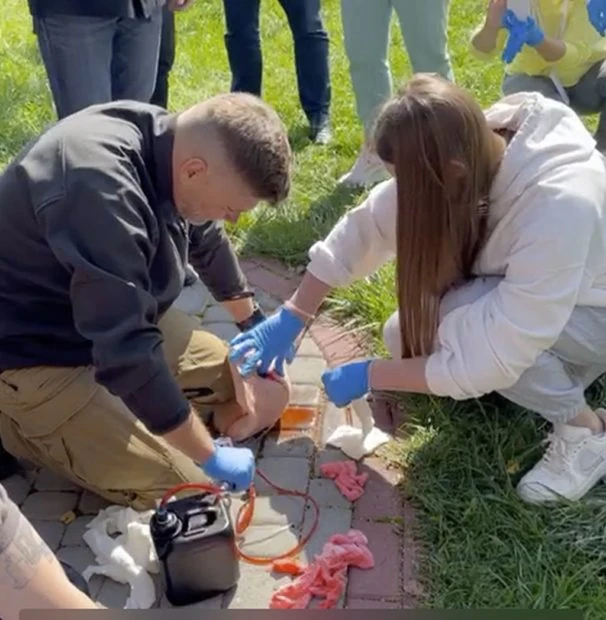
368 170
574 462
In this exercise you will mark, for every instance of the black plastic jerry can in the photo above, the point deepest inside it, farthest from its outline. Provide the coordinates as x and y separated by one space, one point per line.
195 542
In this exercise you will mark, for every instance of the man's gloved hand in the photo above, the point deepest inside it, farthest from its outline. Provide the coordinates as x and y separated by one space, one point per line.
596 10
233 465
271 341
521 32
347 382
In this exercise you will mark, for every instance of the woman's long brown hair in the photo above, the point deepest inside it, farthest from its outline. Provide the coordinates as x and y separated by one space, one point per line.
436 138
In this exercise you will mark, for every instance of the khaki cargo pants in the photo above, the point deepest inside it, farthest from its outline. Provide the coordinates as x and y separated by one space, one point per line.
61 419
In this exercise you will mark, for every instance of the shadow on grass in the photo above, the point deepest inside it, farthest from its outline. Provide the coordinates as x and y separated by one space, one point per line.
484 547
298 136
288 233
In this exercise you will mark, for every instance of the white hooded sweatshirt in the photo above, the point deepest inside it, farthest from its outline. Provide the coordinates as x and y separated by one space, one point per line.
546 237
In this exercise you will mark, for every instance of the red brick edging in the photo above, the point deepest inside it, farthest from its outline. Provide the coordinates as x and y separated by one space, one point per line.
381 513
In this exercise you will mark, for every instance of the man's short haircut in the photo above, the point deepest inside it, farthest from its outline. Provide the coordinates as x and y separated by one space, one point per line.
256 143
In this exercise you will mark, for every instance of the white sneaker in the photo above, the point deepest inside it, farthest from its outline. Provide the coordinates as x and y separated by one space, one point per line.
572 465
368 170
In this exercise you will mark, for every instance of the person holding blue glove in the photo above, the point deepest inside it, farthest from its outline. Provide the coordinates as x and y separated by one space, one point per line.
498 236
556 48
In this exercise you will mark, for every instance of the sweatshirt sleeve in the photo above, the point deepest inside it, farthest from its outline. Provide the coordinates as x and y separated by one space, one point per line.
103 236
485 346
360 242
213 257
579 40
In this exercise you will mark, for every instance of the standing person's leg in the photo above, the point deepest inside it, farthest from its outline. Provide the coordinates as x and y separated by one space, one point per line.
312 61
588 96
554 387
424 27
76 52
243 44
135 58
166 58
366 37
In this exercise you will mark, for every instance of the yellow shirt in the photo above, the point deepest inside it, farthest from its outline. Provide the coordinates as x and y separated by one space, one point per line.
584 45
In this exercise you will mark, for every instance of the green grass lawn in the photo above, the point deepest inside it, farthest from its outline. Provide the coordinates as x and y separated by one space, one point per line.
483 548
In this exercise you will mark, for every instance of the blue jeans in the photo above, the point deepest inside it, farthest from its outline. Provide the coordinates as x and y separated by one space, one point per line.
311 51
92 60
166 59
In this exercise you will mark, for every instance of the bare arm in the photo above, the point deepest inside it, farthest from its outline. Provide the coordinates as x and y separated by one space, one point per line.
308 297
551 50
485 40
192 438
32 578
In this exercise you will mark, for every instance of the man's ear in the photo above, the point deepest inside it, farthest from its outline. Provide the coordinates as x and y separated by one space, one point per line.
194 167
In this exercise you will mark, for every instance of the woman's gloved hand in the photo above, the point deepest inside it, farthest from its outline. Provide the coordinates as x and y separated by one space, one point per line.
271 341
346 382
233 465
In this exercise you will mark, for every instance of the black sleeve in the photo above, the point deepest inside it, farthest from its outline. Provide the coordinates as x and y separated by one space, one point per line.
10 516
103 232
213 257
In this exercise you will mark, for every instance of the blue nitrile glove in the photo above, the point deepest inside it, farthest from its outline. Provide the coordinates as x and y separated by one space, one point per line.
534 35
269 341
520 33
233 465
596 10
347 382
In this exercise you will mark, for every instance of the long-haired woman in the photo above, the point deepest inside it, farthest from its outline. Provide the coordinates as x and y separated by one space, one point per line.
496 223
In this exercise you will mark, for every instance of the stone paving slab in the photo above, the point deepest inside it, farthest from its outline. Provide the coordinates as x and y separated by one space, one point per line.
254 589
75 531
305 395
113 594
285 472
290 458
290 444
51 532
269 541
49 481
17 487
49 505
332 521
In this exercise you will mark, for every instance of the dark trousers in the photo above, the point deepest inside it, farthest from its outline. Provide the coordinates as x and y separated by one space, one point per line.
93 60
166 58
311 51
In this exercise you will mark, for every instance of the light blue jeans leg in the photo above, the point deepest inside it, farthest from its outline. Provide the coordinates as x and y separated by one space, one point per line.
424 26
366 34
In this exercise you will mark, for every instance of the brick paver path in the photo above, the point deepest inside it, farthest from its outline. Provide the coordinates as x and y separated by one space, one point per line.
290 457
